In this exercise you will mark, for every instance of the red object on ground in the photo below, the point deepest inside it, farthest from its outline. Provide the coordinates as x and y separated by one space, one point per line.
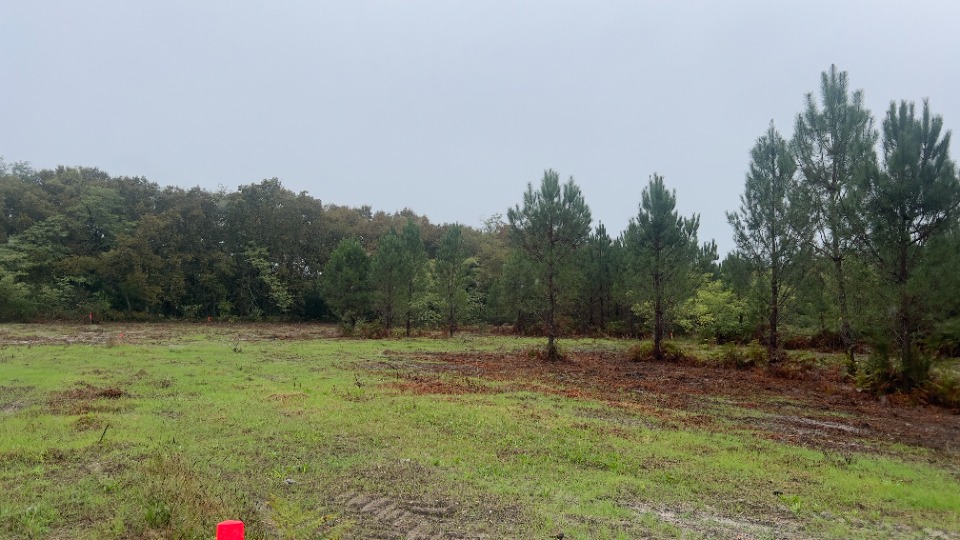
230 530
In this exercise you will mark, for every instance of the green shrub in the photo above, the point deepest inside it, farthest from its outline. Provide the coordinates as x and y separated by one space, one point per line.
883 371
944 389
618 329
750 355
157 513
945 339
672 351
731 355
643 351
713 313
370 330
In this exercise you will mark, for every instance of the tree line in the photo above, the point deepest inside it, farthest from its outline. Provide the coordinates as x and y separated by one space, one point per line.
846 233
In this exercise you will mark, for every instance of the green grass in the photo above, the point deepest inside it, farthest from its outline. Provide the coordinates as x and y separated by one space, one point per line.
204 433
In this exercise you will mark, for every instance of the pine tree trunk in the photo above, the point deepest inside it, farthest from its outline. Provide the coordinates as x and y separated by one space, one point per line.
658 317
773 345
908 362
773 342
452 318
602 275
551 309
846 335
409 307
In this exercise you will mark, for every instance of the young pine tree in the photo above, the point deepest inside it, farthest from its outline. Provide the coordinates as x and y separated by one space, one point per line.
452 273
413 271
912 200
345 282
388 273
772 226
598 259
832 142
664 253
550 225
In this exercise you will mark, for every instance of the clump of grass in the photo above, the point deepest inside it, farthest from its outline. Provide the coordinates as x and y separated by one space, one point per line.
293 519
83 398
541 354
643 352
174 500
944 389
751 355
33 521
87 422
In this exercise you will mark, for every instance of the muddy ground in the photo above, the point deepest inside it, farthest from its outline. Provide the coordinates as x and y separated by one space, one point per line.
158 333
815 408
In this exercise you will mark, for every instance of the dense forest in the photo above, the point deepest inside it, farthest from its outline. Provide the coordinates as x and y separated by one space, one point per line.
848 234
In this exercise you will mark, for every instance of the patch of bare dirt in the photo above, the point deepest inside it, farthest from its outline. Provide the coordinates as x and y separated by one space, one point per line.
433 383
402 499
712 525
816 409
387 518
111 334
287 397
84 398
13 398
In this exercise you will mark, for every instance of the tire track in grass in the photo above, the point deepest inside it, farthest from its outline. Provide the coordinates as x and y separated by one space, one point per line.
387 518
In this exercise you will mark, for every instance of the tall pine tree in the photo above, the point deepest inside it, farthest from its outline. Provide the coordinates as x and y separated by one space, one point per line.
664 253
772 226
451 271
599 262
388 273
913 199
833 141
413 270
345 282
550 225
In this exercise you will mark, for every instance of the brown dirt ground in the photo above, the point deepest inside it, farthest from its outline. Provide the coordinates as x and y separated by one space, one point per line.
809 408
84 398
129 333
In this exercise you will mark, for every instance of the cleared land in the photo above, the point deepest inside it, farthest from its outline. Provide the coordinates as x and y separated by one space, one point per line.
161 431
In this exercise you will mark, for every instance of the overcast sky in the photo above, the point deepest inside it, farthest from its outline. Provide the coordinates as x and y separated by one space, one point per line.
450 107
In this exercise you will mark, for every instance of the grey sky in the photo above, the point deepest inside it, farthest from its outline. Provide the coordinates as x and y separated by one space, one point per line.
450 107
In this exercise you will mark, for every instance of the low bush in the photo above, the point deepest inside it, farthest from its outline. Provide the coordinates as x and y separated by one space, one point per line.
751 355
371 330
945 339
944 389
884 372
643 352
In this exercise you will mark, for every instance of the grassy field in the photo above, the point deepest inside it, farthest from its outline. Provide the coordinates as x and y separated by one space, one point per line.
162 431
